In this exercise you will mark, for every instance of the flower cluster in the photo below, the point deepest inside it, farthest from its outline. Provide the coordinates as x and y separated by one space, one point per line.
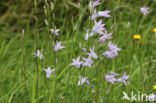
111 78
112 50
87 61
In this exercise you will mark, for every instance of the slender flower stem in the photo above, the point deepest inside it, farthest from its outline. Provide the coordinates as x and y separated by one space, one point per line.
36 42
23 53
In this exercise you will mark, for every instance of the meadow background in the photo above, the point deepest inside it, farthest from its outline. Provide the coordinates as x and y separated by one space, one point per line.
22 79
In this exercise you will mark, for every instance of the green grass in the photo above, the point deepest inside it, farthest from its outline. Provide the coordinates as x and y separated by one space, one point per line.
24 81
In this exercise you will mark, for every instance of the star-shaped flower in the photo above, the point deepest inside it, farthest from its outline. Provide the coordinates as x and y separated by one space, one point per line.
49 71
105 37
113 47
92 53
87 62
55 31
58 46
112 50
93 4
123 78
38 54
76 62
83 80
144 10
98 27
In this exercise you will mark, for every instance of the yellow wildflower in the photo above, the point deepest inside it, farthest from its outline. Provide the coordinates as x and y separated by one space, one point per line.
137 36
154 87
154 30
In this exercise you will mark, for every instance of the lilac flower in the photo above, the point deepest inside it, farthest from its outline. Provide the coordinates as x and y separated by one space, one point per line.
144 10
58 46
88 62
55 31
152 97
112 50
100 14
111 77
98 27
92 53
76 62
93 4
104 13
104 37
83 80
113 47
49 71
123 78
38 54
94 15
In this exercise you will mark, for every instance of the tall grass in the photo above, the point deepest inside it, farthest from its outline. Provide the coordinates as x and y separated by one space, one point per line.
22 77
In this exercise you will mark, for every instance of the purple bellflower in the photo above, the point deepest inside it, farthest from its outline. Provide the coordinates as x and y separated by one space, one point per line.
82 80
144 10
111 77
49 71
38 54
58 46
87 62
112 50
55 31
92 53
123 78
76 62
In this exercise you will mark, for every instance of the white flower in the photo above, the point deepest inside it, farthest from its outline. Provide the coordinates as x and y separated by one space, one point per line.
49 71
